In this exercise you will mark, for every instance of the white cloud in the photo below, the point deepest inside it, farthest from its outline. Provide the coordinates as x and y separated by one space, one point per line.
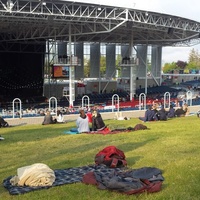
187 9
173 54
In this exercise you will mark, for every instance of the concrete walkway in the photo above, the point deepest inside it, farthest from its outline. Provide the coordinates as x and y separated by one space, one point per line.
73 117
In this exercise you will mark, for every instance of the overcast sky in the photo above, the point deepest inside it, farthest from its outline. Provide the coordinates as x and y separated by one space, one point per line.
188 9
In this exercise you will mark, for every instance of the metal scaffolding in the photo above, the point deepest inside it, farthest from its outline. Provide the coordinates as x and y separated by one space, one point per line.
23 20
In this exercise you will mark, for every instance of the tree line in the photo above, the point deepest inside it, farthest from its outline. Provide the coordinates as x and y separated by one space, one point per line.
192 64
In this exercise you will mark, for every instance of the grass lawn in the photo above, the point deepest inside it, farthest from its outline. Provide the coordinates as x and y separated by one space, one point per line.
172 146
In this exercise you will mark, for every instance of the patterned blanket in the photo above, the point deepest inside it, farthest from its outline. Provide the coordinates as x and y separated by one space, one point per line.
118 179
63 176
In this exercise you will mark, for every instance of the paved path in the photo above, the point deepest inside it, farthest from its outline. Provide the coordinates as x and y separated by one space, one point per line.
73 117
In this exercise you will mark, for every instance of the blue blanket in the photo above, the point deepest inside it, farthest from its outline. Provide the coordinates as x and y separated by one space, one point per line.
72 131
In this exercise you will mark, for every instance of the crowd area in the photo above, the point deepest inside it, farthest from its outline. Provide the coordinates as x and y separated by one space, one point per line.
154 113
82 123
156 109
35 111
91 121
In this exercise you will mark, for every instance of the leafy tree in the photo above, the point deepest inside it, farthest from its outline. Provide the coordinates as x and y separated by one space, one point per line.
192 65
194 60
118 60
181 64
86 67
118 63
168 67
102 66
194 57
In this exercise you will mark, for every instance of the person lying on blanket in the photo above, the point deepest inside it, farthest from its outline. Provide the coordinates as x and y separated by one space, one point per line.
97 121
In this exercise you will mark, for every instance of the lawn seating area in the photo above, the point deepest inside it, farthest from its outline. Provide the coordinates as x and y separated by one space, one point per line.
172 146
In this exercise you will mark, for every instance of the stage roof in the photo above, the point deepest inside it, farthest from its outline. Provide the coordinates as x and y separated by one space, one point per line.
36 20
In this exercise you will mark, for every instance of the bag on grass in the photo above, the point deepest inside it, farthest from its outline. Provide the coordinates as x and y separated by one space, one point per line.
140 127
111 157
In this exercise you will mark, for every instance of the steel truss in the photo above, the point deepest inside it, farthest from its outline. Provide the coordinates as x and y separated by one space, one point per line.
25 20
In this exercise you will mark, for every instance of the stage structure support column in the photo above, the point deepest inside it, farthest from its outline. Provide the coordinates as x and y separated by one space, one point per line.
62 51
110 60
60 57
132 70
95 63
79 71
71 72
125 73
142 67
156 62
49 72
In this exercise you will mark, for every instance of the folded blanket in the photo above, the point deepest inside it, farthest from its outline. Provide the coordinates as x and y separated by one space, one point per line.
34 175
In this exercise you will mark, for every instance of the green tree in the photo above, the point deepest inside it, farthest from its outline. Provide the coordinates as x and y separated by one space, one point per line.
168 67
192 65
118 63
102 66
181 64
194 60
86 67
194 56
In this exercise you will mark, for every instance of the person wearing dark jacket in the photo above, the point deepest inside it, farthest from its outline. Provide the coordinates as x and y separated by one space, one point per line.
97 121
3 123
149 115
162 114
171 112
180 112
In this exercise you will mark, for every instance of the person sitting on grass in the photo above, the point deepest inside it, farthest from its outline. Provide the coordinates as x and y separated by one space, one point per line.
48 119
149 115
3 123
82 122
162 114
180 112
171 112
60 117
186 109
97 121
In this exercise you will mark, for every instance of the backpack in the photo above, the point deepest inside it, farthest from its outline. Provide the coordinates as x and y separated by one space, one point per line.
111 157
139 127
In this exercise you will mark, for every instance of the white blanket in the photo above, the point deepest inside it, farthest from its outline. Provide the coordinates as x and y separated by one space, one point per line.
34 175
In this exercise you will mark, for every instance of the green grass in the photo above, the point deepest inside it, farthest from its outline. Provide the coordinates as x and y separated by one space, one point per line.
172 146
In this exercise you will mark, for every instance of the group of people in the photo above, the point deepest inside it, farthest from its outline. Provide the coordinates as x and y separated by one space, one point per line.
155 114
84 120
49 119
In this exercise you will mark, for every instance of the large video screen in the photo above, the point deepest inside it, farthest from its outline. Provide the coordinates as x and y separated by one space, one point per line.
60 71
